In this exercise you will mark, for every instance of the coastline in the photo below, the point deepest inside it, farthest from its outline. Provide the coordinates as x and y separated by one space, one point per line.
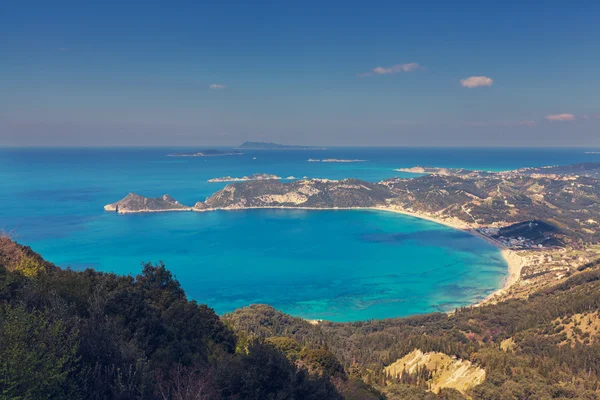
514 261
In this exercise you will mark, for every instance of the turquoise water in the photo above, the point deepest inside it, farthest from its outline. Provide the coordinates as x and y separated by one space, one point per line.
336 265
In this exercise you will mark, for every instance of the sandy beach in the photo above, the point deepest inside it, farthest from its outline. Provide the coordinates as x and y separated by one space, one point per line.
513 260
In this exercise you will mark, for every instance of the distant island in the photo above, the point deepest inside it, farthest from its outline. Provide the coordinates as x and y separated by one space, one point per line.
335 160
254 177
275 146
207 153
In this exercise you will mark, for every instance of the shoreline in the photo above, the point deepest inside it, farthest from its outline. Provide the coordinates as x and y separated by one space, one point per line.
514 262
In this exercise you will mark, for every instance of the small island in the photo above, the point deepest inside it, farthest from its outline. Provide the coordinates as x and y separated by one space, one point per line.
254 177
275 146
134 203
207 153
335 160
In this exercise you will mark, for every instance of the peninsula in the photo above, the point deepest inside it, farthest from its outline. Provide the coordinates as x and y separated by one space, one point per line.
547 219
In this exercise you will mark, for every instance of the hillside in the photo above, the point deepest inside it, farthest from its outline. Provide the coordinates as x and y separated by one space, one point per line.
106 336
91 335
524 346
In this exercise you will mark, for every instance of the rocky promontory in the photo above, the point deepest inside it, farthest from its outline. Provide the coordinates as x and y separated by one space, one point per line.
134 203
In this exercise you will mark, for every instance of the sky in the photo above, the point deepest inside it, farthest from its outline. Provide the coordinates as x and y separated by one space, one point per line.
335 73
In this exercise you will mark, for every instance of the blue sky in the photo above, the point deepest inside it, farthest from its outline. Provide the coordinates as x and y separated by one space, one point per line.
385 73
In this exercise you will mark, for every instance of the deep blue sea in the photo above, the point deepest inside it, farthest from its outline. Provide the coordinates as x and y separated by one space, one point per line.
335 265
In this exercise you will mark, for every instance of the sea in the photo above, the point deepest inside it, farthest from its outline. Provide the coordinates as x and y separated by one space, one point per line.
333 265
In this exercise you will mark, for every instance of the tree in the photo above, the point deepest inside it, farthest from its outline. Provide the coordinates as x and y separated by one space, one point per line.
37 354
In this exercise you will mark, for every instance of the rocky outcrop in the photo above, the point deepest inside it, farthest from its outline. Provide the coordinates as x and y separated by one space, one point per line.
133 203
447 372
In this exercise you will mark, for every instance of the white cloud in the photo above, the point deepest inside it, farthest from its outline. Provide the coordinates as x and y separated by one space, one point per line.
560 117
476 81
217 86
394 69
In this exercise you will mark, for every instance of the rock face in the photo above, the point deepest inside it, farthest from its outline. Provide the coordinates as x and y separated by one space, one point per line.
313 193
133 203
447 372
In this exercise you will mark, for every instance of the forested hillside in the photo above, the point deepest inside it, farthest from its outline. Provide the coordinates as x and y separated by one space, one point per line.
544 347
91 335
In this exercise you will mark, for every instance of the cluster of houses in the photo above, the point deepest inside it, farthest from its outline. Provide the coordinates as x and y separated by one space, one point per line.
518 242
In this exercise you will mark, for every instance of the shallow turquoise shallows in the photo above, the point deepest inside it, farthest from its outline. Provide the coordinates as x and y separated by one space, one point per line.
335 265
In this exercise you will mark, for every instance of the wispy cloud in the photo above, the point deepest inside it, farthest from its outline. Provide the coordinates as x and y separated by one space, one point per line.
217 86
394 69
560 117
476 81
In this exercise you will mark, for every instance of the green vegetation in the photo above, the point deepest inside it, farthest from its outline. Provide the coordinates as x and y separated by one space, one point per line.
540 361
91 335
